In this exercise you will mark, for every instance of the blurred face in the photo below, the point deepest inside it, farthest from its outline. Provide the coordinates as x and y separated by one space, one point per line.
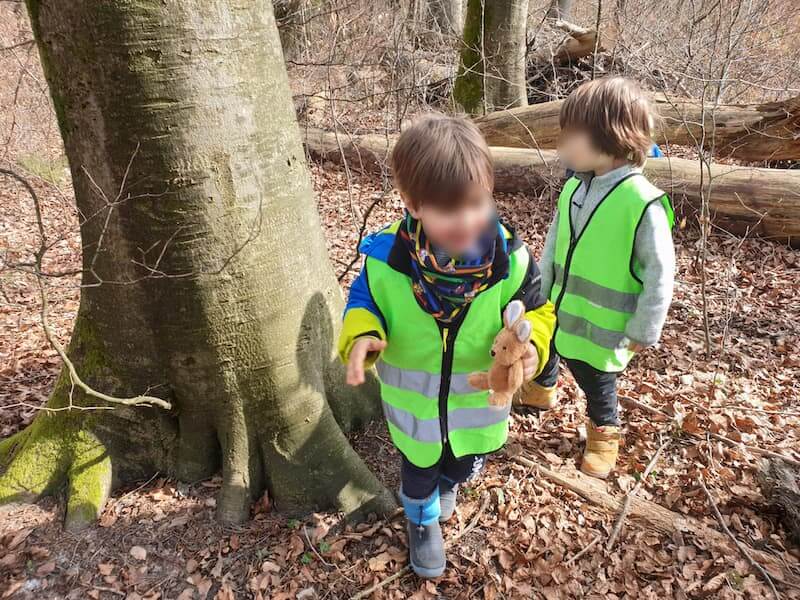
456 229
576 151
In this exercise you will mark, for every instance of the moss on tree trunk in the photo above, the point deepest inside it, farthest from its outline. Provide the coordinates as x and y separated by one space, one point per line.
491 73
206 275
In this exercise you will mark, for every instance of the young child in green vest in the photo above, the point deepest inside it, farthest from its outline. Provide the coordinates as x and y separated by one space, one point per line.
425 310
608 260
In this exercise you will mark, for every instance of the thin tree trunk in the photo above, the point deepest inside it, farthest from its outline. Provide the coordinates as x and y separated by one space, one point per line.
446 16
560 9
289 14
180 113
492 71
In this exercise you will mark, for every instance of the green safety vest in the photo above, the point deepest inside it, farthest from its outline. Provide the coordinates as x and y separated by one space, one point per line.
423 371
595 286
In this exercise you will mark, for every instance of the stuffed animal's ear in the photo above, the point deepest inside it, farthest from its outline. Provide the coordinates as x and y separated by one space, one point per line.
523 330
513 313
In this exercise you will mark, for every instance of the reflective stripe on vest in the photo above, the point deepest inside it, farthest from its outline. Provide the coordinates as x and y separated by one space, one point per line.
428 430
595 288
410 369
596 293
426 384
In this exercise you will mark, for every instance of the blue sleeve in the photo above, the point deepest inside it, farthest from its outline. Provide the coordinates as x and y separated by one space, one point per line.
360 296
362 317
655 151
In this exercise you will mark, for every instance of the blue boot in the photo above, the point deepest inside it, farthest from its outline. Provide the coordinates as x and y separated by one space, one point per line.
447 500
425 542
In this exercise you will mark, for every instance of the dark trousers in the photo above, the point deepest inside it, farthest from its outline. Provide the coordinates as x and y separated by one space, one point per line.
600 387
419 483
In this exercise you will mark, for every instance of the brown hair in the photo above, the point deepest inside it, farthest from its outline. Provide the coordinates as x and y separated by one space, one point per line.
437 159
616 114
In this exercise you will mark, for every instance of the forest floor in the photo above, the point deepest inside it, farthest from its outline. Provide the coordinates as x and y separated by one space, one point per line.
532 538
159 539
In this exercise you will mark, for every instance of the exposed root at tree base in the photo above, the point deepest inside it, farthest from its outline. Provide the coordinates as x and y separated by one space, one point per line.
48 454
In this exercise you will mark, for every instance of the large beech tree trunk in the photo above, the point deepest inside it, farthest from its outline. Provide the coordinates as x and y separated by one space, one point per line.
769 131
491 75
743 199
181 114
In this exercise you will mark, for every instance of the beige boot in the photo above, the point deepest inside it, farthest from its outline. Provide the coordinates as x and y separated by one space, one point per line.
602 449
533 395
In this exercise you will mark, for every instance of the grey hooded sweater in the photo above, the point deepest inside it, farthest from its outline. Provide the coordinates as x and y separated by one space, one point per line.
653 250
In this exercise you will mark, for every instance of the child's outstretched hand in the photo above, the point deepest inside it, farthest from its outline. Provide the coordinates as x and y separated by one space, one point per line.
358 355
530 361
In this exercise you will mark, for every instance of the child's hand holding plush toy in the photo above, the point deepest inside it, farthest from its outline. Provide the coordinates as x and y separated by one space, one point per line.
510 350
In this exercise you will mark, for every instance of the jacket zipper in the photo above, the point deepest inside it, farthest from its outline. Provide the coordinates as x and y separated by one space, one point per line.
448 333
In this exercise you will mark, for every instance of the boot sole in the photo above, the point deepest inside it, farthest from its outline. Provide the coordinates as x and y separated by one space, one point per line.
427 573
536 406
595 474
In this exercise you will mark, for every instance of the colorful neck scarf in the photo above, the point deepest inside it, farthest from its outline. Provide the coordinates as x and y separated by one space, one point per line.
442 285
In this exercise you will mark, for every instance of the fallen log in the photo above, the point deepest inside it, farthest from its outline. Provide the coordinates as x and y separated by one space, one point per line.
656 517
780 484
579 43
742 200
752 132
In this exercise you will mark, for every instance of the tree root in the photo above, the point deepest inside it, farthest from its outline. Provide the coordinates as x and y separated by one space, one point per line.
38 464
9 445
89 477
48 454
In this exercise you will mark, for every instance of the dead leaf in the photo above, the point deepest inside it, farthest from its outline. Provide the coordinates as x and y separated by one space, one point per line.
12 588
270 567
19 537
379 562
46 568
108 518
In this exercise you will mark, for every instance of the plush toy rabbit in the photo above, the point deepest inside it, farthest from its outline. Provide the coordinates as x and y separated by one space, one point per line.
505 375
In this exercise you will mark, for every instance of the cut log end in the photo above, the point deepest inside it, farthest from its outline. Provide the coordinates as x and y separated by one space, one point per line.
780 484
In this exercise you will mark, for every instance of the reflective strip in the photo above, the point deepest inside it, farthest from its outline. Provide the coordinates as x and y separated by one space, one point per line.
421 430
580 327
422 382
459 384
471 418
428 430
558 274
596 293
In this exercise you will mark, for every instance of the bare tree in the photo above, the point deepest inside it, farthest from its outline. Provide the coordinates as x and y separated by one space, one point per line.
447 16
205 280
560 9
492 71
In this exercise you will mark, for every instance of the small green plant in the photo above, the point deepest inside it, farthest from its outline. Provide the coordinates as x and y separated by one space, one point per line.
306 558
324 547
735 580
293 524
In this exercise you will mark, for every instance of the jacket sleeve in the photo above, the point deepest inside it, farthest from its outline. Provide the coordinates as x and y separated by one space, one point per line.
362 318
654 264
548 255
539 311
